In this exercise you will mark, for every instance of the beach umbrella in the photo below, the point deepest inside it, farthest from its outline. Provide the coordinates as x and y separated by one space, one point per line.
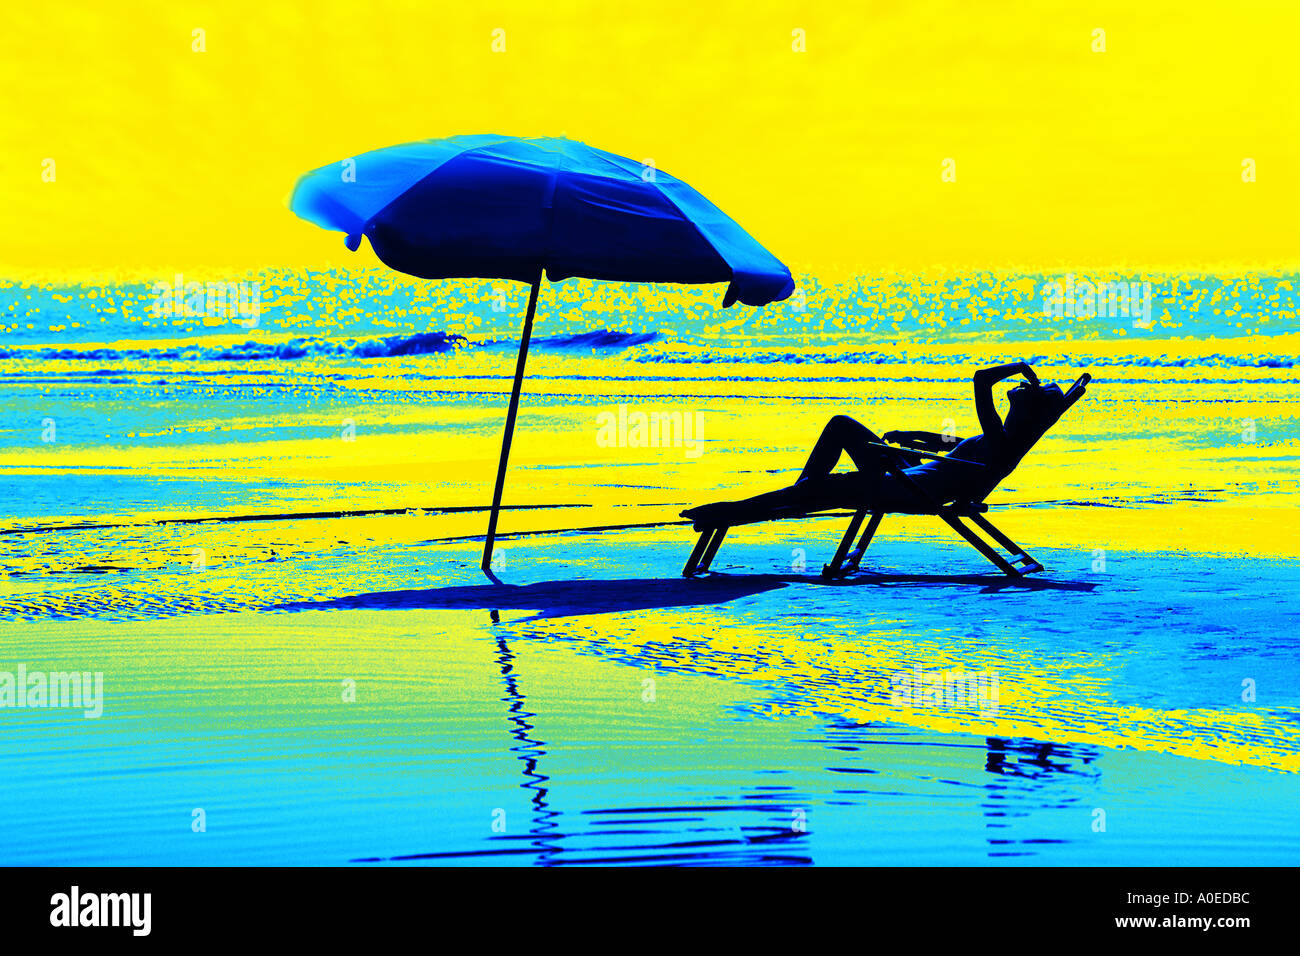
501 207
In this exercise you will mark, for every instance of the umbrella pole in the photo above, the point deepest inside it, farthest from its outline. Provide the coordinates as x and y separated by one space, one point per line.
510 421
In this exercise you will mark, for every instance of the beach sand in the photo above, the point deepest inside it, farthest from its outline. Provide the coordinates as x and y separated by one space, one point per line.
238 562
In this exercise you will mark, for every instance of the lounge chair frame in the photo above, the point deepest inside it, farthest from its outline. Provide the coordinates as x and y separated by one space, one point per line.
1014 561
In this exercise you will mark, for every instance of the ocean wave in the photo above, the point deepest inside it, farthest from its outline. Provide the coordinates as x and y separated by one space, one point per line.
1074 359
393 346
646 348
422 343
577 341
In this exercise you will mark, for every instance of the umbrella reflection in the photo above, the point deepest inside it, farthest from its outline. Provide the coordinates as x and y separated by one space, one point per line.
545 828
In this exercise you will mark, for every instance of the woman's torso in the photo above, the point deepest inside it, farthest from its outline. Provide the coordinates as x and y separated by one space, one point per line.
946 480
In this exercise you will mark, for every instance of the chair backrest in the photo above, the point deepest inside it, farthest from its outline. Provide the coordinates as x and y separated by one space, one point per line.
1071 395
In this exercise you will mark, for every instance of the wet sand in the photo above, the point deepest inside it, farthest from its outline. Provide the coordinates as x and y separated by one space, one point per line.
594 705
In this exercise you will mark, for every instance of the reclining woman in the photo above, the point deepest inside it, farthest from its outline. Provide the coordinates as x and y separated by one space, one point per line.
1034 408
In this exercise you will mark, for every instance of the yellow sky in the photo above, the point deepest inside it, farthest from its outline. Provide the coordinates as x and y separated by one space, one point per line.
831 157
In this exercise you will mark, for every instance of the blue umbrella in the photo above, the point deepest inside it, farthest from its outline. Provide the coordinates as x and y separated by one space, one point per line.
500 207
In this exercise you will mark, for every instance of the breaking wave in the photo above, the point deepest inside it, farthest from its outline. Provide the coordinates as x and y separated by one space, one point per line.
847 357
422 343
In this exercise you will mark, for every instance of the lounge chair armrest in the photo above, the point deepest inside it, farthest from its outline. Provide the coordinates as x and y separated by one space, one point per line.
923 441
922 454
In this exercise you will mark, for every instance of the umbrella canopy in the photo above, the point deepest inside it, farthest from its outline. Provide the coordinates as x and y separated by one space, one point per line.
500 207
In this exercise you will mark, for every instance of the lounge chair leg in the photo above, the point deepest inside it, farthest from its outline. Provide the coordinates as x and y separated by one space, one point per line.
714 544
833 569
980 545
855 556
692 565
1018 554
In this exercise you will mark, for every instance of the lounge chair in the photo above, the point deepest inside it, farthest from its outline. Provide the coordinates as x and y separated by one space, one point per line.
1015 563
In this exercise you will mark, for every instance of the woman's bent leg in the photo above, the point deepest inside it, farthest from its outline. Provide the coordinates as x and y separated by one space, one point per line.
842 434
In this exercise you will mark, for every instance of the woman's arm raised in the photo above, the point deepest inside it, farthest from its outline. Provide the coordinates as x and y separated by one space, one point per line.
985 407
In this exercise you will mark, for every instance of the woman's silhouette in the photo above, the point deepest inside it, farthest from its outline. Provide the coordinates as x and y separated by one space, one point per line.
1034 408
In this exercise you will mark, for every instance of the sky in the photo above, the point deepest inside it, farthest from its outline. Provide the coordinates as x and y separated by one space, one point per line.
1063 155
